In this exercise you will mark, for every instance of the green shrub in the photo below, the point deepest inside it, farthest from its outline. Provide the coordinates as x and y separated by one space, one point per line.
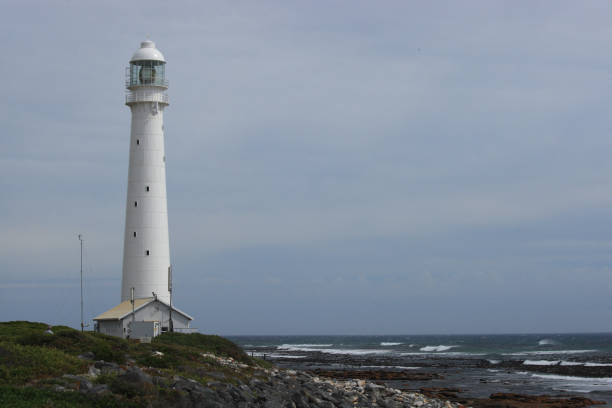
9 331
20 364
13 397
205 343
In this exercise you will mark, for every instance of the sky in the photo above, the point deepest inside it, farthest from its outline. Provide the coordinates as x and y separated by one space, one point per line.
333 167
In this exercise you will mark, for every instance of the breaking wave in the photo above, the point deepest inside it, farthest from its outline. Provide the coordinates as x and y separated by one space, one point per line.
386 366
389 343
437 348
547 352
541 362
274 355
356 352
283 346
547 342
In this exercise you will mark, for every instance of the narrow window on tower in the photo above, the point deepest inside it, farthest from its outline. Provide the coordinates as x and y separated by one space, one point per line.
134 234
147 252
147 188
137 141
135 203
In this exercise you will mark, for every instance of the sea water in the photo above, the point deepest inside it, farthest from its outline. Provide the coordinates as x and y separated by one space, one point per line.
480 364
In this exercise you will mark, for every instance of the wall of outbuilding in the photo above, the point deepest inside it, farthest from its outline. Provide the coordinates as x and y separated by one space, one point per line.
154 311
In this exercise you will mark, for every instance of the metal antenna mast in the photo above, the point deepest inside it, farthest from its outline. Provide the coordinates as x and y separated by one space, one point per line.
81 240
170 323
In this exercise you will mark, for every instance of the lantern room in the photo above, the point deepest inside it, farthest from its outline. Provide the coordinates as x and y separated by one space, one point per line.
147 67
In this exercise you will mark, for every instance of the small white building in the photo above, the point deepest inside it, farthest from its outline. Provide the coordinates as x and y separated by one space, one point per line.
149 317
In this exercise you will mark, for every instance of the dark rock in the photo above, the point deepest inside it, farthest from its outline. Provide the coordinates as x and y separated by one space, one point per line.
108 367
135 375
79 382
378 375
440 392
509 400
299 400
88 355
212 374
99 389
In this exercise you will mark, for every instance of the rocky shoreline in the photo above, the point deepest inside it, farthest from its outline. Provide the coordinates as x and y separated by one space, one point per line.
439 378
265 387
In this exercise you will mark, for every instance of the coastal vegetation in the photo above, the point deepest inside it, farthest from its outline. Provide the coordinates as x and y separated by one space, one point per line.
42 366
36 368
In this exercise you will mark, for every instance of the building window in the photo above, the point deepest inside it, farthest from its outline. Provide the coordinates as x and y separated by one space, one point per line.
137 141
147 252
147 188
135 203
134 234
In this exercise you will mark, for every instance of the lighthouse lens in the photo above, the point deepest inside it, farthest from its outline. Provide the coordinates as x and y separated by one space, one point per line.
147 73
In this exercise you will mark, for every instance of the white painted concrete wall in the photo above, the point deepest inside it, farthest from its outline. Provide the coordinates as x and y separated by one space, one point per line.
153 312
111 327
146 251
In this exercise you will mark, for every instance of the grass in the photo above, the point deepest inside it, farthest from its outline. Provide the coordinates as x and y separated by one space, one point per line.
21 364
205 343
27 353
13 397
32 364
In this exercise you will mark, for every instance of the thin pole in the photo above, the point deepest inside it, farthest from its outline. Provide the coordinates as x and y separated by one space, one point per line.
82 325
170 323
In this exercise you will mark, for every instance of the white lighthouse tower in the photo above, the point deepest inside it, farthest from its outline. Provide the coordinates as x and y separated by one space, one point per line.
146 281
146 253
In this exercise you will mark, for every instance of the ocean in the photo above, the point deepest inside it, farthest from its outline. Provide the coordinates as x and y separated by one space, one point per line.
535 364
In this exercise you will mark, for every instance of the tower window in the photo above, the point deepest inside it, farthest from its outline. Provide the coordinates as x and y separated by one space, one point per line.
148 188
134 234
147 252
137 141
135 203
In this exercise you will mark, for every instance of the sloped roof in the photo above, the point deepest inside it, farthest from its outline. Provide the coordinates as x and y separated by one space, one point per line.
123 309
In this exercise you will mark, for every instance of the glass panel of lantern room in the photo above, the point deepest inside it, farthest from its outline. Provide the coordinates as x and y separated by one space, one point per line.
160 71
134 69
147 73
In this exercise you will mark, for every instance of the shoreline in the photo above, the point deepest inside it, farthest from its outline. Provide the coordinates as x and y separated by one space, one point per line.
469 382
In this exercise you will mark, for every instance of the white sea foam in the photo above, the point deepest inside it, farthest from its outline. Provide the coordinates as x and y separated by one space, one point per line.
275 355
446 354
437 348
390 343
492 370
356 352
398 367
574 384
598 365
571 363
561 362
494 361
283 346
547 342
541 362
547 352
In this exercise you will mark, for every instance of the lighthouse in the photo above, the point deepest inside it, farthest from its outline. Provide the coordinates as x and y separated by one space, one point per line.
146 306
146 253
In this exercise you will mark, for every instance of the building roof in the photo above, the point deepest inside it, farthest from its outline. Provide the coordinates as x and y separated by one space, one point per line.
148 52
124 309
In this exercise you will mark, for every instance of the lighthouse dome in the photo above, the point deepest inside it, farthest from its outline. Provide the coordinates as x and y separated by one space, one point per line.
148 52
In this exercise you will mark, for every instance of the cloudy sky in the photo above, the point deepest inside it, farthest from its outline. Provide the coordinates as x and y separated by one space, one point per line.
333 167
